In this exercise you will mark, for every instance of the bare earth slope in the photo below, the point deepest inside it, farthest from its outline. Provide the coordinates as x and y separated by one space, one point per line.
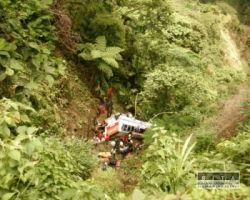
230 115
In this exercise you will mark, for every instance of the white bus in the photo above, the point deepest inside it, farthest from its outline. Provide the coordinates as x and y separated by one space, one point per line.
125 124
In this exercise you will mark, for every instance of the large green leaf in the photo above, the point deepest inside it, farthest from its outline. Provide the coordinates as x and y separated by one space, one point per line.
31 130
21 130
2 76
86 56
34 46
9 72
114 50
5 46
138 195
5 53
4 130
15 155
50 80
14 64
8 196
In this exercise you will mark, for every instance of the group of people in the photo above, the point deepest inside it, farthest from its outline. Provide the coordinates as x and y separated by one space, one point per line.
122 146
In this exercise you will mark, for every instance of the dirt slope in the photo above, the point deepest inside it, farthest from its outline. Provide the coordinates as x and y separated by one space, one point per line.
230 115
76 104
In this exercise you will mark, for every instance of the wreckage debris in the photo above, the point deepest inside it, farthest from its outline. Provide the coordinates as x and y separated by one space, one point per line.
119 130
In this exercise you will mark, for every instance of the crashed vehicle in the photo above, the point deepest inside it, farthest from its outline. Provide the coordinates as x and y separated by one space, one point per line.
123 124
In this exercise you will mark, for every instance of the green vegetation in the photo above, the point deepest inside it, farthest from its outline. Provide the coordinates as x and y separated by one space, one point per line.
171 61
169 157
171 160
179 88
106 57
242 6
35 164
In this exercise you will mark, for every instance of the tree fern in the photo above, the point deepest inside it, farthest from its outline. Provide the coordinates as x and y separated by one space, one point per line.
104 57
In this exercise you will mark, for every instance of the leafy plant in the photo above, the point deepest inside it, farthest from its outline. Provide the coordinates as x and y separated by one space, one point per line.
172 89
237 150
171 160
205 140
26 46
104 57
92 18
109 180
37 167
11 114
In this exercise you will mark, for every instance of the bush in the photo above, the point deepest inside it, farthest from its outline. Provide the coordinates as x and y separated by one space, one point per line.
173 89
109 180
237 150
37 167
205 140
170 158
93 18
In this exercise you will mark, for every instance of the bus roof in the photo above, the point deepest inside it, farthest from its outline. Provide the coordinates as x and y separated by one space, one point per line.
131 121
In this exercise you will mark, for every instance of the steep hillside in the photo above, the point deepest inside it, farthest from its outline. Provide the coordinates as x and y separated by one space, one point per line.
183 65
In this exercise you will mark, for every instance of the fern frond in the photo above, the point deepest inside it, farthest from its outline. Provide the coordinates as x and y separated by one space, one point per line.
101 43
86 56
114 50
111 61
96 54
118 57
105 69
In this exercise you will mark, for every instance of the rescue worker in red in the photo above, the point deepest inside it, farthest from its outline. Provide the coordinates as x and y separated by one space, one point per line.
124 138
110 92
101 108
107 137
100 135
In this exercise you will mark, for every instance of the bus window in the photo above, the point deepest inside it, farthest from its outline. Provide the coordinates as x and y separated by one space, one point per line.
137 129
126 127
123 127
141 130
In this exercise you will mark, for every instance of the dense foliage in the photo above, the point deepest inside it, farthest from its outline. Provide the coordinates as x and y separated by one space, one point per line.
34 164
176 161
172 90
105 57
242 6
154 33
165 59
27 47
38 167
171 160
